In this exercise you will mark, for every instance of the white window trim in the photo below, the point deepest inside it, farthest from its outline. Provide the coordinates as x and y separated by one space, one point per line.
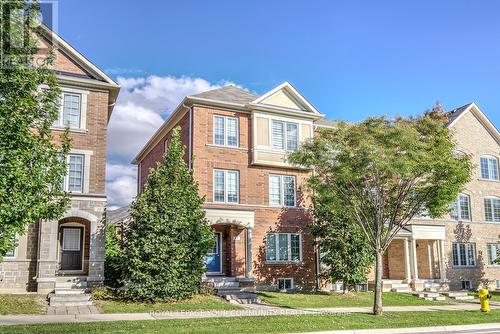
459 211
289 248
86 170
498 168
284 134
83 108
488 252
225 171
292 283
282 191
226 132
467 244
492 210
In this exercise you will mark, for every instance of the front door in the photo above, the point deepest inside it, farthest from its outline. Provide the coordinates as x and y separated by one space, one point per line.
213 259
71 248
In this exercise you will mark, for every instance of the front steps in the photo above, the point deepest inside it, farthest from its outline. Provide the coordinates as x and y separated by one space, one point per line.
70 291
458 295
435 296
231 289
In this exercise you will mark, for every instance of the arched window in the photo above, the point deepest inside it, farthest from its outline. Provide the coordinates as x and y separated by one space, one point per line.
492 209
489 168
460 208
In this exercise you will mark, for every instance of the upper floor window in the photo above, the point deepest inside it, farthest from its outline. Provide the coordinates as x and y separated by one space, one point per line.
283 247
493 253
70 111
464 254
226 131
492 209
74 180
460 208
284 135
489 168
281 190
226 186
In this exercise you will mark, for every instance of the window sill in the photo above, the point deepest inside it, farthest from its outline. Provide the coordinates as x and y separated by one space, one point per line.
230 147
62 128
282 262
282 207
226 203
488 180
464 267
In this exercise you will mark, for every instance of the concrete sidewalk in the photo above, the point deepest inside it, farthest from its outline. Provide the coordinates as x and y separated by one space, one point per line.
479 328
251 310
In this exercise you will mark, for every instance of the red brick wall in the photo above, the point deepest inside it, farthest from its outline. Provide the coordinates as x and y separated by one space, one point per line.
155 155
254 195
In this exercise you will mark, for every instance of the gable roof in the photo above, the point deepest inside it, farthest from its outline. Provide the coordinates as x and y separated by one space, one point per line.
296 99
326 123
231 94
455 114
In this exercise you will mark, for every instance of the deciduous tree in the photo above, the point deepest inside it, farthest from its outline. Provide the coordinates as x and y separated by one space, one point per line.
383 172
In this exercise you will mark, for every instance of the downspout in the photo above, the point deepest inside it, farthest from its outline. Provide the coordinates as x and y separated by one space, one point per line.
190 145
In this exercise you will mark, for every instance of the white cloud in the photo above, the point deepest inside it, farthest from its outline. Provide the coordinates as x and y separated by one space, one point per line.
142 106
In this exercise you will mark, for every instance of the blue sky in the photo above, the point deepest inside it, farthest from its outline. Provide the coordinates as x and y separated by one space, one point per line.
351 59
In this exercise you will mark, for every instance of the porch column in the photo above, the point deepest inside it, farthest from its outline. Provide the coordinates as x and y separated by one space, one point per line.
406 250
248 255
414 259
442 265
47 255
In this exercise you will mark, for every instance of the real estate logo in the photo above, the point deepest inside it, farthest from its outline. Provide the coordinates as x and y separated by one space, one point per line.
19 22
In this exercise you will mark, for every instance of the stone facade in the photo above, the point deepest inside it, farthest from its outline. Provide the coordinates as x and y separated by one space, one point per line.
474 136
37 258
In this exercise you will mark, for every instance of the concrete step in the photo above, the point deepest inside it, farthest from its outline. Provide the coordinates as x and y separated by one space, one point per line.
214 279
453 294
74 291
406 289
242 298
78 299
463 297
399 285
226 284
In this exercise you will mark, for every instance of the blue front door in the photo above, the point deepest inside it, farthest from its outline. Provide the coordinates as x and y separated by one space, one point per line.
213 259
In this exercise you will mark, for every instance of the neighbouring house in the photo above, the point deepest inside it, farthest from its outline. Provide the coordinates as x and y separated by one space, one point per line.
71 249
459 250
258 211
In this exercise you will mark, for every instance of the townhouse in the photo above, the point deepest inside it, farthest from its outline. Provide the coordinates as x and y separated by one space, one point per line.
70 250
459 250
258 210
254 198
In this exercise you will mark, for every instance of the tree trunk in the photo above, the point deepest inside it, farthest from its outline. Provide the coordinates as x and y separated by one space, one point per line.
377 303
344 285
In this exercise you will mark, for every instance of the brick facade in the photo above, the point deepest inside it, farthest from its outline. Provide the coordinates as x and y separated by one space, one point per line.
36 263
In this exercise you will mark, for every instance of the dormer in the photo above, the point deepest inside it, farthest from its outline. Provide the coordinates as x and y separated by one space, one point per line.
281 120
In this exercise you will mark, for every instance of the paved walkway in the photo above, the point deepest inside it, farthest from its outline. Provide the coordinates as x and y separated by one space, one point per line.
250 310
72 310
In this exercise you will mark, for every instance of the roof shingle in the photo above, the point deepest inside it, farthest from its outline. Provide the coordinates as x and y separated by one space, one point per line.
230 94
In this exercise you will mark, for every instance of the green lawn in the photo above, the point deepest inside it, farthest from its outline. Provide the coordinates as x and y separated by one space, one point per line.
495 295
21 304
197 303
334 299
274 324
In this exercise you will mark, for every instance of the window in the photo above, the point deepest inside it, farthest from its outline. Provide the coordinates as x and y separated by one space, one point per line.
493 253
12 253
70 113
165 145
285 284
283 247
226 186
71 239
466 285
75 173
281 190
460 208
489 168
464 254
226 131
284 135
492 209
498 284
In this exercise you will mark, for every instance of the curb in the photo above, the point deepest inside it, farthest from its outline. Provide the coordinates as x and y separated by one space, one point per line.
436 329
